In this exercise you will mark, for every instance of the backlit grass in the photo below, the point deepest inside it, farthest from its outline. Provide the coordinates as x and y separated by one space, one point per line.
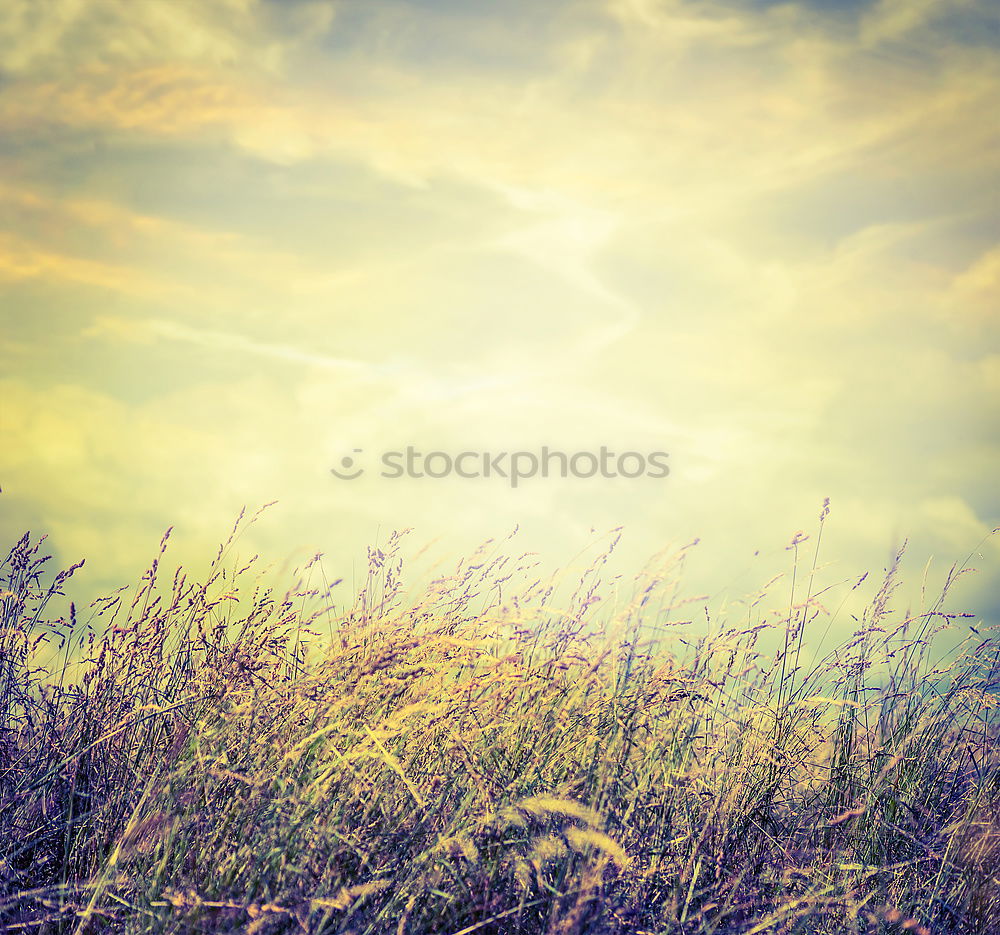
493 755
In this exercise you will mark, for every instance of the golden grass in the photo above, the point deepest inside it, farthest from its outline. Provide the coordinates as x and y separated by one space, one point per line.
211 757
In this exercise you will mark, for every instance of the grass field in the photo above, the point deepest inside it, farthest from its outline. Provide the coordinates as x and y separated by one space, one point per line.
495 754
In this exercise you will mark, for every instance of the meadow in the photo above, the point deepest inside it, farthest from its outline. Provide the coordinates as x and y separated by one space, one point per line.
494 752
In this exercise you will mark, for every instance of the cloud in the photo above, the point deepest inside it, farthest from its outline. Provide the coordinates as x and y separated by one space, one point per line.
895 19
777 94
976 289
951 521
225 342
20 260
42 37
168 100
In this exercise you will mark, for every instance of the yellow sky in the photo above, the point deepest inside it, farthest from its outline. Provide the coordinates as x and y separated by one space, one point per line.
241 239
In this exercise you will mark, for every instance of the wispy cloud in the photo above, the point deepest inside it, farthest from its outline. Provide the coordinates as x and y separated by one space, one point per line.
225 342
47 37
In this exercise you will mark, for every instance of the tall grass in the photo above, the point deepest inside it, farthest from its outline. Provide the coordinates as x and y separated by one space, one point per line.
484 757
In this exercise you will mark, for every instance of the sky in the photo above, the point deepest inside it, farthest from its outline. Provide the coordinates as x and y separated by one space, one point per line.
242 240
